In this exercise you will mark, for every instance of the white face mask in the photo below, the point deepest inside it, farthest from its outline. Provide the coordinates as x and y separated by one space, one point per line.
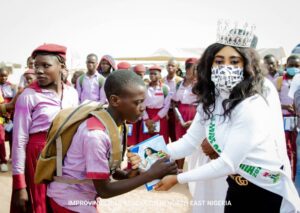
226 77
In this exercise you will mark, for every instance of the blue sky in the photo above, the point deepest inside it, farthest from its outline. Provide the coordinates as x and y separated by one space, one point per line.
138 27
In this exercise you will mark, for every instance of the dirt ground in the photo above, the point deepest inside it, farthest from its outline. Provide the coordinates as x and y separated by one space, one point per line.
140 200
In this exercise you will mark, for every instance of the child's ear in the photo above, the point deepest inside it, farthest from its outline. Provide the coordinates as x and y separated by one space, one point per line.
114 100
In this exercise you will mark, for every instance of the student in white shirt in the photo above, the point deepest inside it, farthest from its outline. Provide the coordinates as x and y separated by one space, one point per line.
236 120
157 103
185 102
171 80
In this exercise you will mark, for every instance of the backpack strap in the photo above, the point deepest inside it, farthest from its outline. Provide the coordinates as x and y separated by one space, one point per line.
62 179
81 80
178 85
178 79
279 83
113 132
59 157
165 90
101 81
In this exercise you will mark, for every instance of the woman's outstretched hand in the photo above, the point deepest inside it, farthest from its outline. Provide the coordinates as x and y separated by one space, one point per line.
166 183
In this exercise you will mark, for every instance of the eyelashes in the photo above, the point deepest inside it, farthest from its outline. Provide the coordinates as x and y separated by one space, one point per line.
220 62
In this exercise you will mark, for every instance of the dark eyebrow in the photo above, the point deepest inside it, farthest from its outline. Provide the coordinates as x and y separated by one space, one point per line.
219 56
235 57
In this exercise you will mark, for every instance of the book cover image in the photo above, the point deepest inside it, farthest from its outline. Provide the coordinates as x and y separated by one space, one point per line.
150 151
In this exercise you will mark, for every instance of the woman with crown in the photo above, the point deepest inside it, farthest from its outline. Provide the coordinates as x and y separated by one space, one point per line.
238 126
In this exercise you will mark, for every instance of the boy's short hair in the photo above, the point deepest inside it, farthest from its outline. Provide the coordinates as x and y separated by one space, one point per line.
269 56
2 69
117 82
292 57
92 55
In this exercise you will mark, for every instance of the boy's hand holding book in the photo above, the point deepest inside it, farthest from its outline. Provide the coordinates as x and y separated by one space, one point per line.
134 159
161 168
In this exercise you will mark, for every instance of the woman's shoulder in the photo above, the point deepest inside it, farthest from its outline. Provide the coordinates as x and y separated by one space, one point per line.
255 105
255 100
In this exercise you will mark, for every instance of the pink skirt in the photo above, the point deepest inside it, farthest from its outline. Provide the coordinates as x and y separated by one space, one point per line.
2 134
290 137
171 125
36 192
2 145
163 127
58 209
188 113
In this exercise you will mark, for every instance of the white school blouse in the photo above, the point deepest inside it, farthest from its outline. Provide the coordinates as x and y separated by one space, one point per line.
247 138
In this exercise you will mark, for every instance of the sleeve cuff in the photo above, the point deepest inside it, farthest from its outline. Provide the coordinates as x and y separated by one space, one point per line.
19 181
97 175
181 179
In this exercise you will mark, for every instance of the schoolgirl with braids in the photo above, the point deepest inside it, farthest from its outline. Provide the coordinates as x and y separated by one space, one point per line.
35 109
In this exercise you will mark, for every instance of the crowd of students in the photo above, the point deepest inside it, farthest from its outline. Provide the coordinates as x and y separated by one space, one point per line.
287 83
165 106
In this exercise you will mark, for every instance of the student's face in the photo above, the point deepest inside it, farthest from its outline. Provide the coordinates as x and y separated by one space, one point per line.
105 66
293 63
172 67
190 73
271 64
140 74
91 63
3 76
154 75
131 106
228 56
48 69
30 78
30 63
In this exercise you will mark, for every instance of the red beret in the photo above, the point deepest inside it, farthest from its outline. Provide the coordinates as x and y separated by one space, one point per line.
139 68
155 67
191 61
29 71
51 48
123 65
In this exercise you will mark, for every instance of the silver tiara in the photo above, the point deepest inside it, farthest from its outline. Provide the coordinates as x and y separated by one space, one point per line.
235 34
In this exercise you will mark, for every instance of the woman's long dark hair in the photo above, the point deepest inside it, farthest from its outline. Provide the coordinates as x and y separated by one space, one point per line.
205 88
153 151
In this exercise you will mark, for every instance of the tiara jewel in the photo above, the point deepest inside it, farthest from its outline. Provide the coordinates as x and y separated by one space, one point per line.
235 34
